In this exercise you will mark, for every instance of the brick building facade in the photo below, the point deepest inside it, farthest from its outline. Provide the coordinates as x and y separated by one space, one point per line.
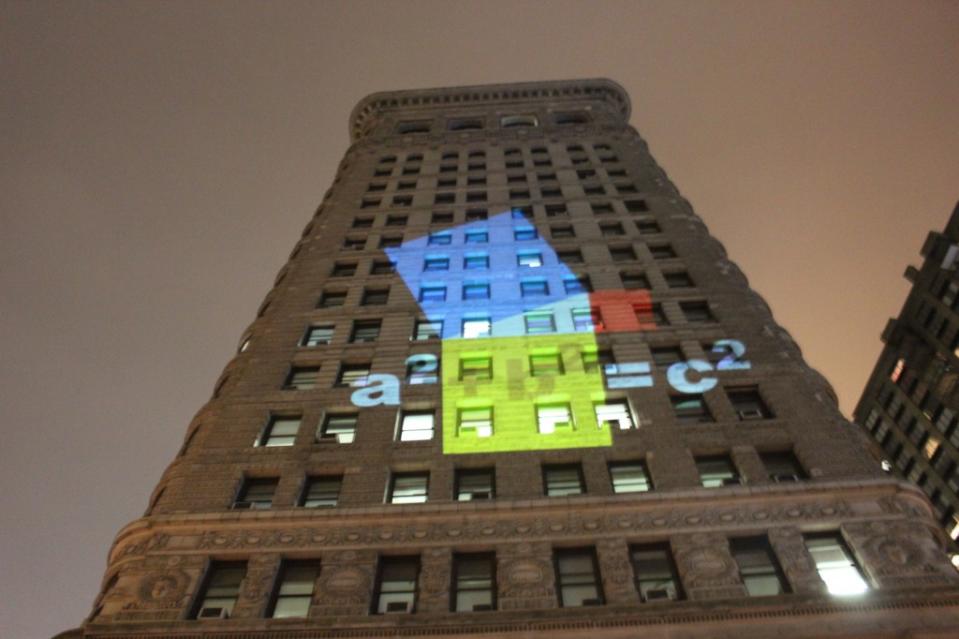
508 385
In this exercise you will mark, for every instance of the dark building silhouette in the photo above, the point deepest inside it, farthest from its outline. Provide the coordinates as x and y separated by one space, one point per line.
507 385
910 406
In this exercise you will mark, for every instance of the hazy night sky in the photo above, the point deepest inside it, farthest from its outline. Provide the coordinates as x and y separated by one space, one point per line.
158 162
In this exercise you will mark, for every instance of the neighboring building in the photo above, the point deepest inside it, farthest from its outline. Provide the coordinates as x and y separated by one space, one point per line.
910 406
507 385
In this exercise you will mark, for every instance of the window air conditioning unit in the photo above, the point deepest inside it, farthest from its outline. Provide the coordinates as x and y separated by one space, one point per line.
785 478
213 613
592 602
658 594
751 413
482 607
398 606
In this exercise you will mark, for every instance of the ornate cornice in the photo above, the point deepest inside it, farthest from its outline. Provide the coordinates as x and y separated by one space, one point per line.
484 94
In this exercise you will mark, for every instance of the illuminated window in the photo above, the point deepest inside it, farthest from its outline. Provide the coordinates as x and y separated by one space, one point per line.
353 375
758 567
436 263
477 237
408 488
476 367
476 421
427 329
697 312
629 477
375 297
256 493
563 479
422 369
748 403
655 572
666 356
897 370
416 426
539 322
474 483
433 293
718 471
294 589
931 447
782 466
835 564
615 414
340 428
281 431
577 577
343 269
530 259
302 378
476 291
474 582
476 261
574 284
476 327
332 299
510 121
321 492
318 335
549 417
220 590
524 234
396 585
545 364
365 331
534 288
440 239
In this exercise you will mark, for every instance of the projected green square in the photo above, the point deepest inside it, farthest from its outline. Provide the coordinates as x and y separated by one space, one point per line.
511 408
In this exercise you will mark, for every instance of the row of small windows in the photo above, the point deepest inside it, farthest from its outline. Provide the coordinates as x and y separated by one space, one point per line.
512 152
519 120
473 583
514 194
473 484
555 210
589 178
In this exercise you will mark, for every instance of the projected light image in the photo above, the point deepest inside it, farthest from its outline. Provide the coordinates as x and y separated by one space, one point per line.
521 367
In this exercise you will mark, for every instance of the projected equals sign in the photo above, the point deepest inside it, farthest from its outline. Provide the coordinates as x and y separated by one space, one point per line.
629 375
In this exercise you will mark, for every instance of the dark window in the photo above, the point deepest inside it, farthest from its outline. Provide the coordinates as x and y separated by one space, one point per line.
318 335
441 218
391 241
256 493
629 477
556 210
697 312
396 584
574 256
302 377
636 206
476 215
408 488
220 590
369 202
294 589
343 269
656 314
352 375
419 126
561 231
758 567
444 198
519 194
365 330
690 409
474 483
363 223
382 268
679 279
624 253
576 117
662 251
717 471
563 480
655 573
474 581
476 196
579 284
666 356
354 243
608 230
577 576
606 209
748 403
782 466
340 428
321 492
375 296
396 220
634 280
403 186
400 200
465 124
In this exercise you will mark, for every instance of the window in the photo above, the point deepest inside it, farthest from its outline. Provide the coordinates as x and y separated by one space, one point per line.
556 210
365 330
835 564
529 259
623 253
391 241
648 227
562 231
418 126
256 493
476 261
375 296
655 573
474 483
586 320
615 414
476 215
577 577
718 471
577 284
294 590
369 202
563 480
473 582
525 234
662 251
539 322
343 269
629 477
634 280
354 243
363 223
597 360
397 220
338 427
476 291
758 567
465 124
476 196
436 263
476 367
280 431
534 287
666 356
610 230
221 590
332 299
427 329
433 293
476 421
509 121
656 314
697 312
551 192
678 279
690 409
441 218
422 368
782 466
476 237
402 186
382 268
396 585
302 378
318 335
574 256
636 206
476 327
748 403
408 488
353 375
321 492
545 364
440 239
416 426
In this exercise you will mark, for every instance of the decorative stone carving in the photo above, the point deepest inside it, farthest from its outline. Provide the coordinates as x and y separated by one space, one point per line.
163 590
614 567
261 573
524 577
706 567
901 553
345 584
434 581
